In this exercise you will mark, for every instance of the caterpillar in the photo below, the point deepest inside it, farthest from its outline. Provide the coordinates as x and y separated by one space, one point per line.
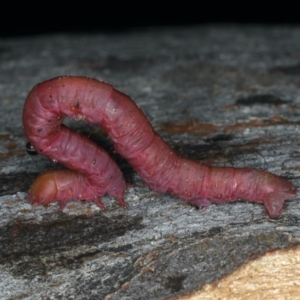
92 172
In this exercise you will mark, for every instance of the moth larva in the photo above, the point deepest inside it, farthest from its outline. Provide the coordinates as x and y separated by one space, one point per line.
93 172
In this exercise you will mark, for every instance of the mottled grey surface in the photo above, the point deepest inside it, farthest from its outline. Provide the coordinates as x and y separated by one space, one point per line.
241 82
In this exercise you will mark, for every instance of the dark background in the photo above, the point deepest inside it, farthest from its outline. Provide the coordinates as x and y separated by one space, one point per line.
48 17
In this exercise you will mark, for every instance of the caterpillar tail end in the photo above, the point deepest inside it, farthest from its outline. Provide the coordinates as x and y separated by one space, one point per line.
274 201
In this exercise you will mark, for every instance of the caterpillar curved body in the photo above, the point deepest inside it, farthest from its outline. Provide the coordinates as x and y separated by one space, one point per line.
93 173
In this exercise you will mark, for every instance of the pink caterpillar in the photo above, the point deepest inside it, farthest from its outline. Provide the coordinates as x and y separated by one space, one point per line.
93 173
